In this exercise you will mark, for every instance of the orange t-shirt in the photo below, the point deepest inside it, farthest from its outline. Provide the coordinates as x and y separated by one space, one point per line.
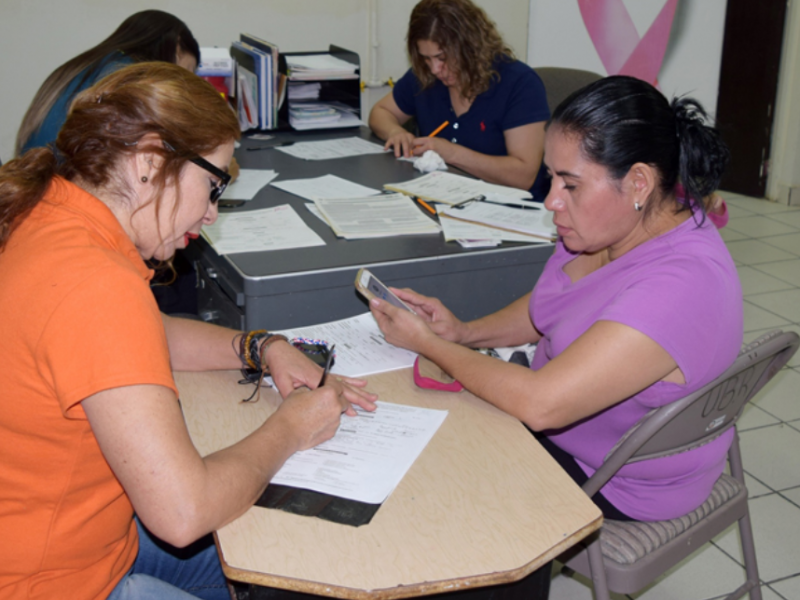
77 318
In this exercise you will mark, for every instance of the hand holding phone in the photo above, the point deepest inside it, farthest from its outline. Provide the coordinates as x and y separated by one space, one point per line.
371 287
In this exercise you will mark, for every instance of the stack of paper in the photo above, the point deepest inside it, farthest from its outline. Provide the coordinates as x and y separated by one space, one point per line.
319 66
304 91
375 216
448 188
534 222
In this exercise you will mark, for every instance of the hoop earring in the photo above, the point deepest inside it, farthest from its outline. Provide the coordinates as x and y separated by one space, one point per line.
144 180
637 207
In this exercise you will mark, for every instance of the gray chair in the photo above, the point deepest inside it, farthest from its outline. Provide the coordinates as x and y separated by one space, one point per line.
560 83
626 556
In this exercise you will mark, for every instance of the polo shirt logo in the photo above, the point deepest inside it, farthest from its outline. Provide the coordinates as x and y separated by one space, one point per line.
483 126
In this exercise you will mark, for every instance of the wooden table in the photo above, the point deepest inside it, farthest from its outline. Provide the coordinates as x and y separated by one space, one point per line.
483 504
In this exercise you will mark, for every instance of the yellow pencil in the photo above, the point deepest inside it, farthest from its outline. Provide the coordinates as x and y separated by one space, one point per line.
438 129
427 206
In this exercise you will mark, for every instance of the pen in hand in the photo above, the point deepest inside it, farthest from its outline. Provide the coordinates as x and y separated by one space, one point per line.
327 366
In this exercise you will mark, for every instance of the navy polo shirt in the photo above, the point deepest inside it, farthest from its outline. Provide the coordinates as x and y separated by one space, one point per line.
517 98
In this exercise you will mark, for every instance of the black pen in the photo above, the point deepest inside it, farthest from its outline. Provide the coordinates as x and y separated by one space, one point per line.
249 148
480 198
327 366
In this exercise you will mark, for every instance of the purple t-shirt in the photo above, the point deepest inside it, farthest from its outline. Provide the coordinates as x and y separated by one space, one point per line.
682 290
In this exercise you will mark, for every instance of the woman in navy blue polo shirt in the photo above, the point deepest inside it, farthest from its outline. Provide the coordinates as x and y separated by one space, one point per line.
463 73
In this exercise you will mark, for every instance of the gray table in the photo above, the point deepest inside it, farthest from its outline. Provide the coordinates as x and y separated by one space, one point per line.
304 286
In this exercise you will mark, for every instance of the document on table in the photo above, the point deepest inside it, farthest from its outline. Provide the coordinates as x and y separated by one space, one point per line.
529 221
375 216
448 188
275 228
328 149
248 184
368 456
327 186
457 230
360 346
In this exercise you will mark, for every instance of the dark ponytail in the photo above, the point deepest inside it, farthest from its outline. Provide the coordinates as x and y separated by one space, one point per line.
703 154
23 183
622 120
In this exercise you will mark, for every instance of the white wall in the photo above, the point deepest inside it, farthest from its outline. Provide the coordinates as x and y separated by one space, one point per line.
558 38
36 36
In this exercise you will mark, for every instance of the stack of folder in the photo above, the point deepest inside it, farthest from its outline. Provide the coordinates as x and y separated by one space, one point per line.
260 86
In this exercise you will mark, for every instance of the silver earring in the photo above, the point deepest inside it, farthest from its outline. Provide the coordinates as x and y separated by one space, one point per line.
637 207
144 180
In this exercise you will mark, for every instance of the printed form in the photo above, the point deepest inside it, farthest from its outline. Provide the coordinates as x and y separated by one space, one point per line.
275 228
368 456
360 346
328 149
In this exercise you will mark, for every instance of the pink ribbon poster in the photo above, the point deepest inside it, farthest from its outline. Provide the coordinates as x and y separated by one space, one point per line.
617 41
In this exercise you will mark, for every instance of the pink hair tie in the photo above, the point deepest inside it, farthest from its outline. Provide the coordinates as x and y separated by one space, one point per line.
434 378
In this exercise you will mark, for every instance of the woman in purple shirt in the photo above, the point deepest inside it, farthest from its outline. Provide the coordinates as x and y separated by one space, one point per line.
639 305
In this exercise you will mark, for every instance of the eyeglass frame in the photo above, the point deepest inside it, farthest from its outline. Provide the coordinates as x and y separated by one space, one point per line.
224 178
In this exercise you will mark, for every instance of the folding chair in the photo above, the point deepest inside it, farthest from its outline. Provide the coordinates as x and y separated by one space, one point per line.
626 556
560 82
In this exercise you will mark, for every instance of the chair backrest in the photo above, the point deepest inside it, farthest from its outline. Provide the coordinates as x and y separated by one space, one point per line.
703 415
560 83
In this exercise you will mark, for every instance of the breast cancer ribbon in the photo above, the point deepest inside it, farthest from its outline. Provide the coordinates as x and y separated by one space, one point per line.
617 42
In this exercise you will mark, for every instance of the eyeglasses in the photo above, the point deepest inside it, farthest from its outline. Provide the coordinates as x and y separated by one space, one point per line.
224 178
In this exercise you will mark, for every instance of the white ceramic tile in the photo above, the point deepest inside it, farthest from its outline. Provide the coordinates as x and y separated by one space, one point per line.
791 218
794 496
789 589
785 270
759 226
753 417
729 235
755 252
735 211
779 396
768 594
785 304
769 454
790 242
754 487
759 206
776 529
755 281
708 573
756 319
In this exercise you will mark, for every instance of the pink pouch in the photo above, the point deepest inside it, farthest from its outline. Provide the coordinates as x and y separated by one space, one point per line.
431 377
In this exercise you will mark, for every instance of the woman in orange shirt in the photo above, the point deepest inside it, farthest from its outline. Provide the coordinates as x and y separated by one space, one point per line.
91 430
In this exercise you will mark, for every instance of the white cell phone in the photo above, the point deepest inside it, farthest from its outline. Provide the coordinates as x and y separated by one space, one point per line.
371 287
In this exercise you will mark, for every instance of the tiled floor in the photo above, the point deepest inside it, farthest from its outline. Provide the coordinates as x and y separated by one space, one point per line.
764 240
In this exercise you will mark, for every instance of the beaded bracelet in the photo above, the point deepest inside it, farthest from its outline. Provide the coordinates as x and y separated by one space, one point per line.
252 356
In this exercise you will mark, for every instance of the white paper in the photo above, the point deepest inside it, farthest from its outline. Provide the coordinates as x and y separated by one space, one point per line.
375 216
248 184
327 186
275 228
328 149
473 235
531 221
368 456
448 188
360 346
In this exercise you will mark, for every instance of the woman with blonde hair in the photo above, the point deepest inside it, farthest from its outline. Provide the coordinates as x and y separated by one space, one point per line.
91 429
463 73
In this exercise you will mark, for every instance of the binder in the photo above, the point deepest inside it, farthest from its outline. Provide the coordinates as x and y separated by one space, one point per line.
272 50
260 63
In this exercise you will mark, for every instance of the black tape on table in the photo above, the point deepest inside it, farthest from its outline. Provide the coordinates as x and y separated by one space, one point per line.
308 503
